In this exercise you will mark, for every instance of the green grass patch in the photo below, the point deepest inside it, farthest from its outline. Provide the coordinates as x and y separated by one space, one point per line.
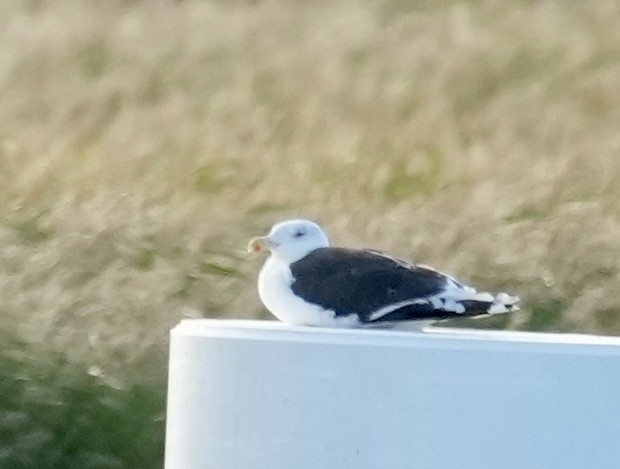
60 416
31 232
545 315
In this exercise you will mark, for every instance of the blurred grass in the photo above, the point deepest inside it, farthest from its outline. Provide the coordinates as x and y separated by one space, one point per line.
60 416
142 143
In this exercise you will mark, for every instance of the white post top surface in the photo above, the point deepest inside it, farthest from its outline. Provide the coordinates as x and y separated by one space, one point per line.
264 395
429 337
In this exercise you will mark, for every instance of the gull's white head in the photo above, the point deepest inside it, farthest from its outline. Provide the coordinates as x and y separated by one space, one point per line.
291 240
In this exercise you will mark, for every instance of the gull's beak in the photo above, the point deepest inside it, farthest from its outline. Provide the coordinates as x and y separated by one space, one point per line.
261 244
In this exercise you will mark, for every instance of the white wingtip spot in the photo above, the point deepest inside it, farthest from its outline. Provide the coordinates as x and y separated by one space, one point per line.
498 308
452 305
484 297
504 303
506 299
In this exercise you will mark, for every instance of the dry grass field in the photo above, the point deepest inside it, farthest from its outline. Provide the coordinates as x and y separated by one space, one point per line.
143 142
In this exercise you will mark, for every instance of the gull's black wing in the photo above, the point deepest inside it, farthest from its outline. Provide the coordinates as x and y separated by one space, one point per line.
365 282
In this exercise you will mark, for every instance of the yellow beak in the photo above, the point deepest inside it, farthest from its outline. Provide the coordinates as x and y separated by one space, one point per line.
260 244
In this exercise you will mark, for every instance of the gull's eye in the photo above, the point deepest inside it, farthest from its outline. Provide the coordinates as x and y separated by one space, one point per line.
299 233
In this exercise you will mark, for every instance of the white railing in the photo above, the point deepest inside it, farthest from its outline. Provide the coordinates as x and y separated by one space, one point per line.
262 395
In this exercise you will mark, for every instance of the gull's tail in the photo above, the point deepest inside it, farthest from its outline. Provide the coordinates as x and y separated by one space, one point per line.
486 303
460 301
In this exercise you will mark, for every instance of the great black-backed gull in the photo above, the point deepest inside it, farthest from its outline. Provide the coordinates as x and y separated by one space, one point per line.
306 282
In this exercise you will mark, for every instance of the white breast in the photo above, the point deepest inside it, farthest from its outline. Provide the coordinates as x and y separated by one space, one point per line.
274 287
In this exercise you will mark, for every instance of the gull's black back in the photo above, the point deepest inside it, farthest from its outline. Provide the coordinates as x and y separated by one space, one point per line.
361 282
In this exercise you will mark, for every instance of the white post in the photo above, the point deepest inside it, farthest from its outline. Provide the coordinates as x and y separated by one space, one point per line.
262 395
